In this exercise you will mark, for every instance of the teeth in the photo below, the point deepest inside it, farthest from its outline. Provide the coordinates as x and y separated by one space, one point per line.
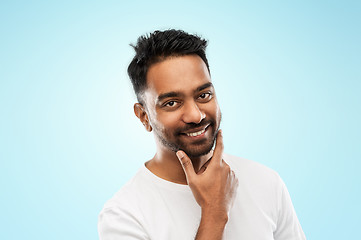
196 133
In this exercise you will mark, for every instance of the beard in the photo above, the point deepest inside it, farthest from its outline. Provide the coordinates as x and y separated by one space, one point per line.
172 139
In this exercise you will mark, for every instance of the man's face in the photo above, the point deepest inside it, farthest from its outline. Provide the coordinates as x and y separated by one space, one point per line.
181 105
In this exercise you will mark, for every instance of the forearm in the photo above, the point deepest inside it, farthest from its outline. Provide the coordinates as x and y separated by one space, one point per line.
211 226
214 189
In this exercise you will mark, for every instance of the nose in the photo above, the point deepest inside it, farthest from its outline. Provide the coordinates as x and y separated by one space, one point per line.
193 114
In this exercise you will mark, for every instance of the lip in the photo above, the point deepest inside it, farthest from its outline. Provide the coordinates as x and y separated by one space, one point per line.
205 128
196 129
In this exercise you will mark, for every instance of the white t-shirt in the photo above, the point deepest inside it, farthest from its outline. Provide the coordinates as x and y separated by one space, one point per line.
149 207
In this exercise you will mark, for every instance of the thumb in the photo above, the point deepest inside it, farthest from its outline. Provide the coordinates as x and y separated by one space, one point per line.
186 165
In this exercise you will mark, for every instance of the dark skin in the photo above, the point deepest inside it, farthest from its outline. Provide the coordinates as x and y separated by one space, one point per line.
165 163
179 94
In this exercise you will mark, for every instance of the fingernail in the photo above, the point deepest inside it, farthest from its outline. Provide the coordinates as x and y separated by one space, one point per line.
180 154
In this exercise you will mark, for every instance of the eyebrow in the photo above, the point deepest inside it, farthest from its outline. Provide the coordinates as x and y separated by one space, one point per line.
168 95
177 94
204 86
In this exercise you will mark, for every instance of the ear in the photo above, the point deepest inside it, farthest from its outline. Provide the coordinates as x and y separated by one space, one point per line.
143 116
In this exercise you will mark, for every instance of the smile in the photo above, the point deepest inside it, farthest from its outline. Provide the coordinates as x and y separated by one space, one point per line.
195 134
199 132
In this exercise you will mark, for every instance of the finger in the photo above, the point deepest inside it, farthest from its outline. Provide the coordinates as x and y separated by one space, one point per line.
233 175
218 150
186 165
204 167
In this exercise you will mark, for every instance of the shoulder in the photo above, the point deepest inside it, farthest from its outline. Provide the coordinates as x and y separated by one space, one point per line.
135 195
121 216
250 168
256 178
127 195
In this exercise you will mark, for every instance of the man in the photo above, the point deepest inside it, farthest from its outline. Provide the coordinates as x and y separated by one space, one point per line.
187 190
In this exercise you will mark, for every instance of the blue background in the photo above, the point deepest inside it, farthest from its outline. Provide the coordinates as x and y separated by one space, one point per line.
287 75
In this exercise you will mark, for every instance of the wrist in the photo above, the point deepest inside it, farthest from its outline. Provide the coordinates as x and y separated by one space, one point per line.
215 215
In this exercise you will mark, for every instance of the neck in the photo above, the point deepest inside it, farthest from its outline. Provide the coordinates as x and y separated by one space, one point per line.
166 165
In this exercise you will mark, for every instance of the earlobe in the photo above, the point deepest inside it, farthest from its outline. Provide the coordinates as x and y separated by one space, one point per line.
143 116
148 127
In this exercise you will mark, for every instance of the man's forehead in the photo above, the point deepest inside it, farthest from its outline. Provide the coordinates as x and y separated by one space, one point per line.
188 86
164 95
178 74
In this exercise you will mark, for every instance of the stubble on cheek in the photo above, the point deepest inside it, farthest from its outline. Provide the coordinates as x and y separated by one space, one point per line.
171 138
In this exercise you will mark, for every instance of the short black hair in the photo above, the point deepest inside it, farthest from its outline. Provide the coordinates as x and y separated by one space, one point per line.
158 46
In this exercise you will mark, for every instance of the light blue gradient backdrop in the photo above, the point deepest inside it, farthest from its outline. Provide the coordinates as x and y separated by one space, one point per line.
287 75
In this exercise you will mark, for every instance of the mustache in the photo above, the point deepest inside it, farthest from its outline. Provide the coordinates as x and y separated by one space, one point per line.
191 126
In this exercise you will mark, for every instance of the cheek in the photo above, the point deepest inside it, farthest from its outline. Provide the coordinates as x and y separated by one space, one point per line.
168 119
213 110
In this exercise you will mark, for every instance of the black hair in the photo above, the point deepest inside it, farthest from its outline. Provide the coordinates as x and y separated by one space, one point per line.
158 46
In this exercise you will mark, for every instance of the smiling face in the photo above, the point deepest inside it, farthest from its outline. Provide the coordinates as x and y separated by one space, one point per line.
181 105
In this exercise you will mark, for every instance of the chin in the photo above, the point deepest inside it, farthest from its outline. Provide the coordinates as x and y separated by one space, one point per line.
197 154
193 150
198 151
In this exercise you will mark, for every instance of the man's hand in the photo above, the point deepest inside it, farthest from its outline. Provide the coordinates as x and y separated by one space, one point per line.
214 188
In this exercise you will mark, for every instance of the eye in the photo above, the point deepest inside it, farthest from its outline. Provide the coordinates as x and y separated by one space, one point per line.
171 104
204 97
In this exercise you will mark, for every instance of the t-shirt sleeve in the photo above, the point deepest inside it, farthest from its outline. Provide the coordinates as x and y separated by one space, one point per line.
288 226
119 224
